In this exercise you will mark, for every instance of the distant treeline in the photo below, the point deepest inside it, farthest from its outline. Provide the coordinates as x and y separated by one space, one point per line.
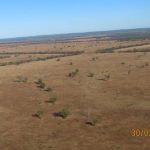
126 34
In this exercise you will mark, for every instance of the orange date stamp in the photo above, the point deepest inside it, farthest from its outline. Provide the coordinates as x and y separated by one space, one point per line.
140 132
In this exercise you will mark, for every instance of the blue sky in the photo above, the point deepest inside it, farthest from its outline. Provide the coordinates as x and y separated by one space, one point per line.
38 17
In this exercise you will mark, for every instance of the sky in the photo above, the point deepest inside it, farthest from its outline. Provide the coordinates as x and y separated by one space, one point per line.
42 17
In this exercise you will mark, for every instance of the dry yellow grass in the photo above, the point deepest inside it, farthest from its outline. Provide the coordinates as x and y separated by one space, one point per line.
117 96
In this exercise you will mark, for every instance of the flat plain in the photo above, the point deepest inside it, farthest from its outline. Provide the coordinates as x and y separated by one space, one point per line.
80 94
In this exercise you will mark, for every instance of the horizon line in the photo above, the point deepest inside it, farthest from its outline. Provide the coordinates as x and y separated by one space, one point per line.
67 33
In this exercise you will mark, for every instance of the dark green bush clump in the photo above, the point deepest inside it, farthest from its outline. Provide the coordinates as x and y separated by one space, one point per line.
40 83
63 113
74 73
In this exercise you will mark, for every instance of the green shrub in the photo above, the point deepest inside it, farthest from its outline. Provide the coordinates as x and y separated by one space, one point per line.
38 114
63 113
74 73
40 83
48 89
52 100
92 122
71 63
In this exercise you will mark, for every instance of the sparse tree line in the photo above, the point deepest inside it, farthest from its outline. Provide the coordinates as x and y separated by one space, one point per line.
62 54
112 49
43 52
136 50
3 57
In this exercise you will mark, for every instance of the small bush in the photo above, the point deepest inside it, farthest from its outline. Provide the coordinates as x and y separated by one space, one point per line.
63 113
77 70
92 122
38 114
93 59
48 89
40 83
21 79
91 75
71 63
52 100
74 73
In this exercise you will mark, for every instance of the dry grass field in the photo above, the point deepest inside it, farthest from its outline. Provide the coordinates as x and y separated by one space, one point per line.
65 96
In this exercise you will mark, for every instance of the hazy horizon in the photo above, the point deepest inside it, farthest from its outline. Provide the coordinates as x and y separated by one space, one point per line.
28 36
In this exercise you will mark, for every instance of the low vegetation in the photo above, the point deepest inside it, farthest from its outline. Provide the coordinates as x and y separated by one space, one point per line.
57 55
92 122
21 79
74 73
48 89
3 57
107 50
135 50
51 100
112 49
63 113
38 114
91 74
106 77
40 83
71 63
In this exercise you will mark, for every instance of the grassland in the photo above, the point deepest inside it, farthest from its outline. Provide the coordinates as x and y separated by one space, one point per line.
69 96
